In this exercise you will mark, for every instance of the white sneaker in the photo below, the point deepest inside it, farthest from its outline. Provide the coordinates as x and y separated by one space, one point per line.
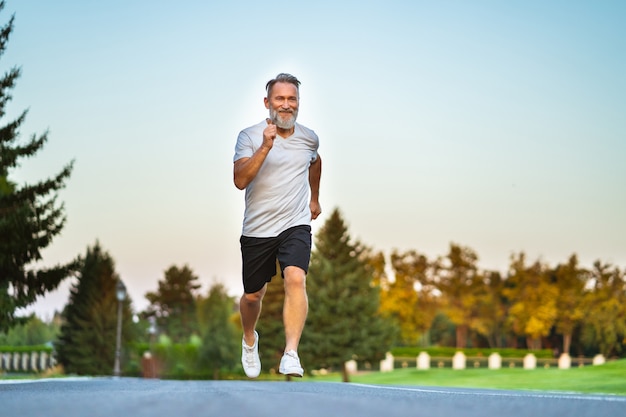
250 357
290 364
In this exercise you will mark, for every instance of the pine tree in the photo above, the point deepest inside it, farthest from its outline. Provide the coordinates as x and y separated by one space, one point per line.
87 342
220 347
343 321
30 216
173 303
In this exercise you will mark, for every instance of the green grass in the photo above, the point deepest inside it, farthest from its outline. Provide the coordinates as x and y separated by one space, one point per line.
609 378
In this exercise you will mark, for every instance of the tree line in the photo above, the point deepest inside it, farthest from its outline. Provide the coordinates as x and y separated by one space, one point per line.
358 310
565 307
344 322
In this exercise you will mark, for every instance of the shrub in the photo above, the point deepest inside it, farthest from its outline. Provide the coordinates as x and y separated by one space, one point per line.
448 352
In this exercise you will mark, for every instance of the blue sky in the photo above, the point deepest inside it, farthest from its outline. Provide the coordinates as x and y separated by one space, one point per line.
495 125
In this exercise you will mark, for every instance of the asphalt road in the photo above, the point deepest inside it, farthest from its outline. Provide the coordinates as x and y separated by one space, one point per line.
155 398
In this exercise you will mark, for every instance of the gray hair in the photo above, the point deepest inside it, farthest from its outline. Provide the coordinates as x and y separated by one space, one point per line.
282 78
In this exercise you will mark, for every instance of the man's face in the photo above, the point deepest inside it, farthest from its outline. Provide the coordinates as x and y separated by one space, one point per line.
283 105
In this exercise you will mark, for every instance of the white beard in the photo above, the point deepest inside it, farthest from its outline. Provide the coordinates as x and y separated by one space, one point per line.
282 123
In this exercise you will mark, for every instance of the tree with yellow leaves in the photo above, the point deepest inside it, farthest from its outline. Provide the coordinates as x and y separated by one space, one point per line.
461 286
569 279
532 298
605 309
408 299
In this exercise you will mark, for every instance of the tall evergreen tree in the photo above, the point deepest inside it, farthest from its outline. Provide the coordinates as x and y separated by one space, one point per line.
219 348
30 216
173 303
343 321
87 342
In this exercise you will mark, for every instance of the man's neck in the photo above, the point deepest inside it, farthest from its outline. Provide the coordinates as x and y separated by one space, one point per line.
285 133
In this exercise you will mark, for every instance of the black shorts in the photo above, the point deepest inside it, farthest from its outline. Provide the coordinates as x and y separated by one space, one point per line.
259 254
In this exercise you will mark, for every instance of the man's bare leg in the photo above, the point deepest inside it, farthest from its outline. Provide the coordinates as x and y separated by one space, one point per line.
250 309
296 306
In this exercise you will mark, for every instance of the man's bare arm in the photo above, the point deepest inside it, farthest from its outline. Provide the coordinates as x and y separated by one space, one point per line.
315 174
245 169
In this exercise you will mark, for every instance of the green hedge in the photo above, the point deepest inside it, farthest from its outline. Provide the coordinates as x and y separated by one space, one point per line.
25 349
174 360
470 352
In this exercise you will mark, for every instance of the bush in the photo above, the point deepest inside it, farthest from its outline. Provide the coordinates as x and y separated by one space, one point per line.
448 352
174 360
26 349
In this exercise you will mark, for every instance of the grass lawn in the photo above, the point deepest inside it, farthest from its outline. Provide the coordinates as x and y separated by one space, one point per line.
609 378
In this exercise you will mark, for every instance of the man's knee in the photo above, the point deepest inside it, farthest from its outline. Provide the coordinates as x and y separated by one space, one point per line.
254 297
294 277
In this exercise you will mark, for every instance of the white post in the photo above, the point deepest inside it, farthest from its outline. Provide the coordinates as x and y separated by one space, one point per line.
459 360
24 365
423 361
386 365
351 367
42 361
530 361
495 361
599 359
33 361
565 361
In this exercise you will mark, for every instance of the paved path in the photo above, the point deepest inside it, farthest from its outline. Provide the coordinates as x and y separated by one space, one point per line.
153 398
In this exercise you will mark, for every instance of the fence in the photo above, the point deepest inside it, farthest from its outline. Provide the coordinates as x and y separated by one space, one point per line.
38 361
494 361
26 362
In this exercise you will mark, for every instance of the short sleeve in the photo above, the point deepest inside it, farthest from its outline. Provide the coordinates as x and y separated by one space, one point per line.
243 148
316 145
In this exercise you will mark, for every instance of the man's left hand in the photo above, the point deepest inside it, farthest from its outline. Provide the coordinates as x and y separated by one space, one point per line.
316 209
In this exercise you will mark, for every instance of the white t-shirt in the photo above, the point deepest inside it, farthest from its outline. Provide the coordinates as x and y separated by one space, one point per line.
278 197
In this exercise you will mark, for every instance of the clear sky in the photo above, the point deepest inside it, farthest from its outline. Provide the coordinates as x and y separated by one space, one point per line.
495 125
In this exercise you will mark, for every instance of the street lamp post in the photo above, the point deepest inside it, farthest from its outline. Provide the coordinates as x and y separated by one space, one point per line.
152 331
120 293
150 372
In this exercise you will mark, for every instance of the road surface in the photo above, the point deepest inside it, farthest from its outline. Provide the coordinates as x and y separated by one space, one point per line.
133 397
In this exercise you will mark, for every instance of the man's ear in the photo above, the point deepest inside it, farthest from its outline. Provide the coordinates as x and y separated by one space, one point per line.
267 102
